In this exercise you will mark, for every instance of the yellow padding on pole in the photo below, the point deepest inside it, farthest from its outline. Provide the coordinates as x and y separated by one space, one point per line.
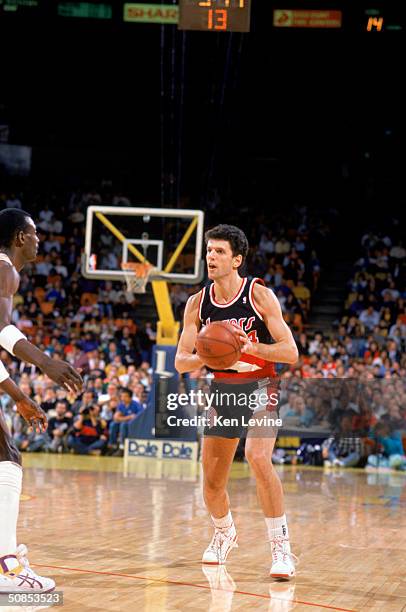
179 248
168 328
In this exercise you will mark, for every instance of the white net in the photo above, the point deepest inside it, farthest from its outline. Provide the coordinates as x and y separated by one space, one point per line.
137 275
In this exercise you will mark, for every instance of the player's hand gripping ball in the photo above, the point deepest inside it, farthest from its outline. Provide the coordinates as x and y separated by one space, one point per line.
219 345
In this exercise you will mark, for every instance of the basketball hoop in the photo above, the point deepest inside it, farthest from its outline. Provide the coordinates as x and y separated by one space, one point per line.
137 274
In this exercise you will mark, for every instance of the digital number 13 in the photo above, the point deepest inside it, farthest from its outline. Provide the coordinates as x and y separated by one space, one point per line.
217 19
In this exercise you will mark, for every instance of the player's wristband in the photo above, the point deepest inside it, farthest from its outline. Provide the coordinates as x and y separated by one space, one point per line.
9 336
3 373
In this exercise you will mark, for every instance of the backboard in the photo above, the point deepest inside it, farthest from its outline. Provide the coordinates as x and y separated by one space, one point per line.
170 239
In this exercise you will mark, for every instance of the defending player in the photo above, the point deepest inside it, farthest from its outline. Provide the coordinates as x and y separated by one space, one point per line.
18 246
266 339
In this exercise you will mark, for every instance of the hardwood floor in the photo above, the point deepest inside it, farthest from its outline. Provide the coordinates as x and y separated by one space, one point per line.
119 536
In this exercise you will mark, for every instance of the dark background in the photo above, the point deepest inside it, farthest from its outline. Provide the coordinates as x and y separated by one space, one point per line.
273 117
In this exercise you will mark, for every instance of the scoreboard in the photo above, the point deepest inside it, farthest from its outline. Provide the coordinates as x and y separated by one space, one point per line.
215 15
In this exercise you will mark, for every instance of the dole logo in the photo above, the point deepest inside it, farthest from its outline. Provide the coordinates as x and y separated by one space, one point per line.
182 451
142 450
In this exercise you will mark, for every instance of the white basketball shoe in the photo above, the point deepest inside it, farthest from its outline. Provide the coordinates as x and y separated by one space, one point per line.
223 541
283 561
16 576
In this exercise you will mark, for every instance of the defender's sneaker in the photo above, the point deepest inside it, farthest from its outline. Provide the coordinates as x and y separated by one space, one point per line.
283 561
223 541
16 576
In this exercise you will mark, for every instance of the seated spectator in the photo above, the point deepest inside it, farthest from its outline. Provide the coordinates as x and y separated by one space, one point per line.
49 401
282 246
55 226
301 292
60 268
86 399
108 410
127 411
55 293
393 454
89 436
26 439
288 408
112 392
266 244
343 449
44 216
52 244
398 251
13 201
58 427
117 363
305 414
43 267
369 317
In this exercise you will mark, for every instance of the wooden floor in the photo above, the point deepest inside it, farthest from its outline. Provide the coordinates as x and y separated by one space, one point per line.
130 537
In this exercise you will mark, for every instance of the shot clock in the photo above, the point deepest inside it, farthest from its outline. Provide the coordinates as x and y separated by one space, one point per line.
215 15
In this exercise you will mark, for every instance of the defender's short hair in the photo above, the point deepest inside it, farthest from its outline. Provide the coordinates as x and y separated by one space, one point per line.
234 235
12 221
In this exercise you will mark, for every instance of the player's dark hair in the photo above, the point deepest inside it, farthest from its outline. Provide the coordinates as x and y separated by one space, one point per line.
234 235
12 221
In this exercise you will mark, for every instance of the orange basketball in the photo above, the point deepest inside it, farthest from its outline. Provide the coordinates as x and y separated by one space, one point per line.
218 345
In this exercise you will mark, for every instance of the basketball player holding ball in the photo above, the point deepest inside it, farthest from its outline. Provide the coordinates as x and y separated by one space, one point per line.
18 246
265 339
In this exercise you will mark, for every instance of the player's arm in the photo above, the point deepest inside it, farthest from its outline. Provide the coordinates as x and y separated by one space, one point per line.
185 360
284 350
29 410
14 341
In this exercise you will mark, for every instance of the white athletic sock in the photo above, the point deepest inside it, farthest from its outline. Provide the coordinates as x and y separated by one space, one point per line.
11 476
277 527
223 523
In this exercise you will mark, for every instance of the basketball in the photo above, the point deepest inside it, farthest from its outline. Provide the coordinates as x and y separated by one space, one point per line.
218 345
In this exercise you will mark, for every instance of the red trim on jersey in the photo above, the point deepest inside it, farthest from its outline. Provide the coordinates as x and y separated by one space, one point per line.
203 291
234 299
251 296
254 360
241 377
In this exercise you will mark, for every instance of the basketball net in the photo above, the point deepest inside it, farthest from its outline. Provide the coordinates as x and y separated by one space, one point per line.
137 274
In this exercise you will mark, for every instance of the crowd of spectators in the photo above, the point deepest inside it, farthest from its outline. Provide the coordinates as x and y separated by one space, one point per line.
374 322
95 422
94 326
362 418
368 346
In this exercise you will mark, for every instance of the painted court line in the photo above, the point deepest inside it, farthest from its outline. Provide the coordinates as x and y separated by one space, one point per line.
190 584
